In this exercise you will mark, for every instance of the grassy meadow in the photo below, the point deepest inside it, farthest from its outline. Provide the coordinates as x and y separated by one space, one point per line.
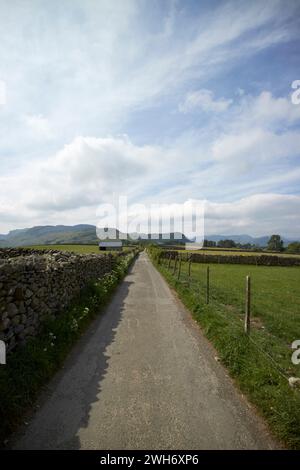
221 251
73 248
82 249
261 362
275 294
235 252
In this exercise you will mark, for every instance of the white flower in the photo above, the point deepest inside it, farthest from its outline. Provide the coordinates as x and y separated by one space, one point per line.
74 324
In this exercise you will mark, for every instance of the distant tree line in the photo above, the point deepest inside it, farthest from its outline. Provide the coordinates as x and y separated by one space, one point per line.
227 243
293 247
275 243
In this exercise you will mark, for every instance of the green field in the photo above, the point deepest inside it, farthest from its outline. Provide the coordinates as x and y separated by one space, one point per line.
84 249
275 294
245 253
73 248
261 363
235 252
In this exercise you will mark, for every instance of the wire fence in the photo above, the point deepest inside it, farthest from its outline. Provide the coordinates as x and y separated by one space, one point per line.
233 305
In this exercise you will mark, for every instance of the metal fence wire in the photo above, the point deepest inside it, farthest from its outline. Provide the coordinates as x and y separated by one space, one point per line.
236 312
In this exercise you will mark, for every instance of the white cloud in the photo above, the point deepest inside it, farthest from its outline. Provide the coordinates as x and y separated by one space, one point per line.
83 173
256 146
259 214
204 100
2 92
39 126
243 158
68 187
258 131
267 110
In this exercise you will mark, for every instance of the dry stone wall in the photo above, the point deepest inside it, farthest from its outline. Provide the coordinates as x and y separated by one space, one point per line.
259 260
35 284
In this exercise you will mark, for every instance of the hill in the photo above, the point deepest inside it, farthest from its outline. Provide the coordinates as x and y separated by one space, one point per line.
66 234
50 234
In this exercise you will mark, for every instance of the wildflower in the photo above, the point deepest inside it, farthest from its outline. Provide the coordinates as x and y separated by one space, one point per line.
74 324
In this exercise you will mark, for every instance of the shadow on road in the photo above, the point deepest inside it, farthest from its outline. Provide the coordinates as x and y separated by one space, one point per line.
62 414
94 349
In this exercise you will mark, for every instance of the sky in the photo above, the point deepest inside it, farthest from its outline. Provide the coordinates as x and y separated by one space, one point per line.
161 101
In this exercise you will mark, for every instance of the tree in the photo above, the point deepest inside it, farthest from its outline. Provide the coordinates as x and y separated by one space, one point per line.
293 247
226 244
209 243
275 243
245 246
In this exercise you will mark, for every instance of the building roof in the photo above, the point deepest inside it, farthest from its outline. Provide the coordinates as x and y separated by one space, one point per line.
110 243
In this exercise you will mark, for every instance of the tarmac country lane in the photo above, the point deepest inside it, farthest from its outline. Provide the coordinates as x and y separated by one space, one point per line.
143 377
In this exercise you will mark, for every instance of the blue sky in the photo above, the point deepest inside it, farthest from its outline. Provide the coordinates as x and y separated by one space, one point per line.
163 101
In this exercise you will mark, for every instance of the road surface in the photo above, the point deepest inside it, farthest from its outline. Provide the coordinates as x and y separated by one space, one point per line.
143 377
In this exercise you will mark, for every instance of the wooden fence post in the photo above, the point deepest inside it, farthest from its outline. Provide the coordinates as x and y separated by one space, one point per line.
207 285
175 265
247 305
189 272
169 264
179 268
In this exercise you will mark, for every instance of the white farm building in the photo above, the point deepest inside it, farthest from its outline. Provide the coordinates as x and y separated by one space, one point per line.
110 245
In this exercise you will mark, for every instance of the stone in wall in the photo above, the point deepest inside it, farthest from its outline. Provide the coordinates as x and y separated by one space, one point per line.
34 284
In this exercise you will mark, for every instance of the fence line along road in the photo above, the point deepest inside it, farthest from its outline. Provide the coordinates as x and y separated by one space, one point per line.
185 277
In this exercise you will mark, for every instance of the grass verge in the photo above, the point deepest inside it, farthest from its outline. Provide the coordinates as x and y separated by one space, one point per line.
256 375
30 367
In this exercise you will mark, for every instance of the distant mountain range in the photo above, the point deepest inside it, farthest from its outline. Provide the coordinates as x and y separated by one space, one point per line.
86 234
64 234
